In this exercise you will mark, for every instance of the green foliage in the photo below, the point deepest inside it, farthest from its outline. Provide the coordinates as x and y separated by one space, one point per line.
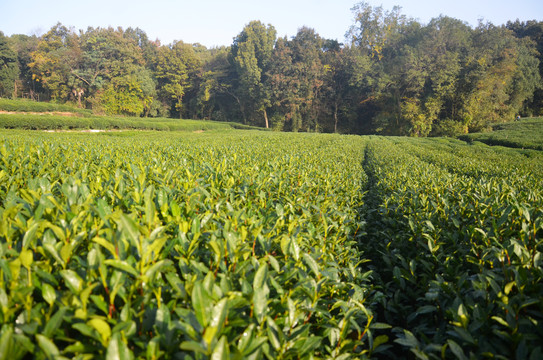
175 69
532 30
444 71
252 51
44 116
298 87
454 236
56 55
125 96
165 245
394 76
267 245
501 75
9 69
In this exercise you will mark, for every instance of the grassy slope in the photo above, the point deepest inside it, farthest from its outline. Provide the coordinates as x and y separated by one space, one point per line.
32 115
525 134
20 105
54 122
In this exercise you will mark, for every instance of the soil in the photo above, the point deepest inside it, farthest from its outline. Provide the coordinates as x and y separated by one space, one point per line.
85 130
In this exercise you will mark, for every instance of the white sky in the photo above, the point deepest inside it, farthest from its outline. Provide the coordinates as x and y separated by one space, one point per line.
217 22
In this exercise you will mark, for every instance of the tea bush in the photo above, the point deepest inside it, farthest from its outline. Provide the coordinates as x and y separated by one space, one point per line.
177 246
246 244
454 236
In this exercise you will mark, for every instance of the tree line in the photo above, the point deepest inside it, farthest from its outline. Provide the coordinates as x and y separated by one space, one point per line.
393 75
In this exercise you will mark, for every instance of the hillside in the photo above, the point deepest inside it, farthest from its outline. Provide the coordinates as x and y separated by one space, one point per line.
30 115
523 134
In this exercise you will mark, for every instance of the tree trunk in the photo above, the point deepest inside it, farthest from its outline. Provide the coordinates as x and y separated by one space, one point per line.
225 89
79 94
335 116
266 118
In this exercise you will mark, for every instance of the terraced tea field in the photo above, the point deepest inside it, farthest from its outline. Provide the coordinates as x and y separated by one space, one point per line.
243 244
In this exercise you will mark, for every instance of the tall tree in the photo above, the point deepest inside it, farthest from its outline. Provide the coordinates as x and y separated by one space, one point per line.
386 38
58 52
296 76
375 29
494 81
217 97
307 52
439 48
335 81
251 54
9 69
532 30
443 76
24 46
113 68
284 85
175 69
444 45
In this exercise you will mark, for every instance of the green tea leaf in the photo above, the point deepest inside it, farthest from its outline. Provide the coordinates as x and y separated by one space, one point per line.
408 339
102 327
275 336
47 346
308 345
246 338
72 280
153 250
221 350
260 303
220 312
202 303
500 320
27 257
150 273
279 210
30 235
121 265
261 277
106 244
54 323
311 263
117 349
130 228
53 251
66 252
379 340
456 350
193 346
6 343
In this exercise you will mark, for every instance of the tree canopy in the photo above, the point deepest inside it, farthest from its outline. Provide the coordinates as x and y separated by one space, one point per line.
393 75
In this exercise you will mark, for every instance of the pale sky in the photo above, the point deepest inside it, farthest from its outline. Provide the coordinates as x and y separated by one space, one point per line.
217 22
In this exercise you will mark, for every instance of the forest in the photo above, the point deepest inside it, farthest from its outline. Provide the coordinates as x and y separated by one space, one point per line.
392 76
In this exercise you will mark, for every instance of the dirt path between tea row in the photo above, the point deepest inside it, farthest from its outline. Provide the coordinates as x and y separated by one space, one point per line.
58 113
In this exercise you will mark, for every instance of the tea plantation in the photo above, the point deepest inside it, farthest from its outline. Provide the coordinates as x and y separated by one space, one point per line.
261 245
